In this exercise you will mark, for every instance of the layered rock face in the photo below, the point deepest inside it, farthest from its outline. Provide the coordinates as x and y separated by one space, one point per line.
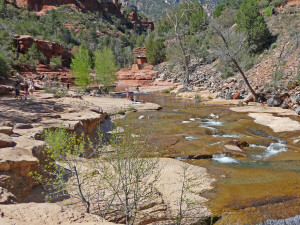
136 75
112 6
20 146
47 48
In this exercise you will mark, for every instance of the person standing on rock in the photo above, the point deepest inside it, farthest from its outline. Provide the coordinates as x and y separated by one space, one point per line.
31 86
17 89
127 94
26 87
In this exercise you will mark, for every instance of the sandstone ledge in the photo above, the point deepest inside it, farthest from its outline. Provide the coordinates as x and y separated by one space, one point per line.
278 124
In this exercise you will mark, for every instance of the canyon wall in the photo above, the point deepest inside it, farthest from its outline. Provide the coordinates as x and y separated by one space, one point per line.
112 6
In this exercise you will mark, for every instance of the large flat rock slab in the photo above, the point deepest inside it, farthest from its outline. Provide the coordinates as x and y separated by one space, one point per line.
264 109
170 184
47 214
278 124
114 105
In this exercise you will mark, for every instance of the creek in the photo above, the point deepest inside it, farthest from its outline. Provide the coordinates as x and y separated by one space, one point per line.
261 184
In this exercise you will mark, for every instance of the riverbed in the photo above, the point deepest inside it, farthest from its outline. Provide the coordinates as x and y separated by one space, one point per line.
261 183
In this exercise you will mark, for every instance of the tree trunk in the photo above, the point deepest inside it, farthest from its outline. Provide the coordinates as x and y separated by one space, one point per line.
186 79
245 79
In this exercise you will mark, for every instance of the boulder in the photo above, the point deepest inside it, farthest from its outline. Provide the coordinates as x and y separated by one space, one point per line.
285 105
274 101
240 144
237 95
228 96
6 130
233 148
5 141
23 126
298 110
6 197
296 99
248 99
4 90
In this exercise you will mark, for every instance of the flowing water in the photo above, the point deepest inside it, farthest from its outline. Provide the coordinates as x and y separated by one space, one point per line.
263 183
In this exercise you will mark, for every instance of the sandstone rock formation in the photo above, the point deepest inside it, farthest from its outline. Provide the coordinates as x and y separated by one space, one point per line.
134 77
6 197
5 141
112 6
47 48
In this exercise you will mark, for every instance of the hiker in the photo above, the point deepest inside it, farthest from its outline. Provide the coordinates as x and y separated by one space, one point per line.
127 94
17 89
31 86
26 87
68 85
25 94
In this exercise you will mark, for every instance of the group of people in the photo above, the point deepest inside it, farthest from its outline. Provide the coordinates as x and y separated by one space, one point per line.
27 88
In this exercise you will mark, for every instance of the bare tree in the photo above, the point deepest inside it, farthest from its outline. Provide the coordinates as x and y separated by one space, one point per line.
230 46
127 177
188 204
180 22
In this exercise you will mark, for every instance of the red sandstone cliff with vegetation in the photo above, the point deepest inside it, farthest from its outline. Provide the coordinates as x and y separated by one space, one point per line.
112 6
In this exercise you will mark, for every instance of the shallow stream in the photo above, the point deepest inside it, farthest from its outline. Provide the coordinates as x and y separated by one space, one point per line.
263 183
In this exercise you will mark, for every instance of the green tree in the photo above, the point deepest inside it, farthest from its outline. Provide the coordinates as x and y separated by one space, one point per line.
155 50
81 67
2 6
140 40
4 67
105 67
218 11
55 62
252 23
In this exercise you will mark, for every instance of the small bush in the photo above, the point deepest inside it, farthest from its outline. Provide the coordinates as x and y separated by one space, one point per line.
55 62
268 11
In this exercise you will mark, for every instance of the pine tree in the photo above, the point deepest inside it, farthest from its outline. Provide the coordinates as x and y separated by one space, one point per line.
252 23
155 50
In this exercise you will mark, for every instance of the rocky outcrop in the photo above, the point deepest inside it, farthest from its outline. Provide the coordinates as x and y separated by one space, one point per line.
136 76
134 19
111 6
6 197
5 141
6 130
47 48
21 151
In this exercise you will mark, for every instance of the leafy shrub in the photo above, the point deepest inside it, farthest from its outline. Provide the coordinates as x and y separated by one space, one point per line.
155 51
218 11
4 67
268 11
55 62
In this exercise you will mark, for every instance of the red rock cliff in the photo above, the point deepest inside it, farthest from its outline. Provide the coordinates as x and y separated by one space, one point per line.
112 6
49 49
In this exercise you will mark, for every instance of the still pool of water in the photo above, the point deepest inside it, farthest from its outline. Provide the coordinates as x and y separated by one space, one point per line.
268 173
